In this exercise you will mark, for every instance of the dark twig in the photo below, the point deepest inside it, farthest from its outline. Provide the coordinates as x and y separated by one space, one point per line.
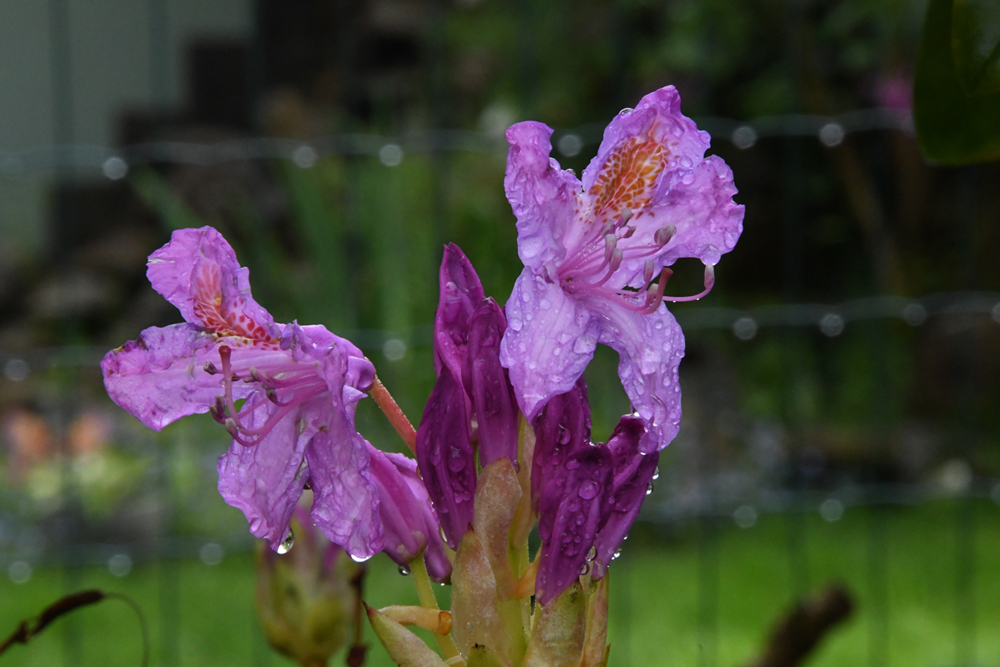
27 630
801 630
359 650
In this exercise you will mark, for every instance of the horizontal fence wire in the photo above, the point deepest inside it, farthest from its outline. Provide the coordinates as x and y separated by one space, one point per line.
114 163
830 320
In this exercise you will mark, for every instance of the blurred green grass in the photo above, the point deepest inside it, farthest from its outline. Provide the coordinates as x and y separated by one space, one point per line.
655 595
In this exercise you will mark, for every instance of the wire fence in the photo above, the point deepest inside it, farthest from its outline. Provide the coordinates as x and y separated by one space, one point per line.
114 163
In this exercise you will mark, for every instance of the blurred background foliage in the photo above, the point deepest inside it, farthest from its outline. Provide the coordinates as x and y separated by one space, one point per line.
391 114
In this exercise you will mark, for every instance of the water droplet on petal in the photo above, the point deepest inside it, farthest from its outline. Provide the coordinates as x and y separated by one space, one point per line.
625 111
589 490
592 554
404 569
287 544
656 473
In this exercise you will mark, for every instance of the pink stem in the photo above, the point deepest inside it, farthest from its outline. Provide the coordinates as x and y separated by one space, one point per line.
395 415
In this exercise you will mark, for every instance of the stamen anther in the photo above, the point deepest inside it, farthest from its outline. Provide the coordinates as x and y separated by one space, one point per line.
647 271
664 234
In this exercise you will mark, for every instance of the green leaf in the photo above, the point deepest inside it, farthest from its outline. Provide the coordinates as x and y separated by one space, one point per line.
952 127
975 44
404 647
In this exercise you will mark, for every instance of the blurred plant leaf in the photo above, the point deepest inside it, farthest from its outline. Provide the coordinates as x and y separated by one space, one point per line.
174 213
952 127
975 44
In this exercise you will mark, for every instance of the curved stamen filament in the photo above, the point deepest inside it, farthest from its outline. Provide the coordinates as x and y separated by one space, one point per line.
295 382
225 354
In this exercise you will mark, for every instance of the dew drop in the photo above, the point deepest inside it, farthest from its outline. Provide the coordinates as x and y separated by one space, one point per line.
589 490
625 111
649 489
404 569
656 473
592 554
287 544
585 570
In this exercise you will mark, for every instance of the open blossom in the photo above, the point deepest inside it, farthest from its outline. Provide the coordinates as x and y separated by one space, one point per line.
299 386
596 253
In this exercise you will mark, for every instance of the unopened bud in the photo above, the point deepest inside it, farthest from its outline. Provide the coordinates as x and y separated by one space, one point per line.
307 596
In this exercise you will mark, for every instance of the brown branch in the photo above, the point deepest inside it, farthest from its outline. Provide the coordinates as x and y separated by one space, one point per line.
797 634
26 631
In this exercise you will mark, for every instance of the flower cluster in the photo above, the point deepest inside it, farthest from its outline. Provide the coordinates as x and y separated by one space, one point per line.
504 441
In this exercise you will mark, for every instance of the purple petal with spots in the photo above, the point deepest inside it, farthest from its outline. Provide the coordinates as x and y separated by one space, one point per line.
550 339
461 293
161 377
488 385
579 508
650 349
266 480
542 195
445 456
633 472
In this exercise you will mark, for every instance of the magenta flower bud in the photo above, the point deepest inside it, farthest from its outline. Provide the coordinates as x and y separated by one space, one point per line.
461 294
446 458
410 523
587 495
576 501
487 384
633 472
562 428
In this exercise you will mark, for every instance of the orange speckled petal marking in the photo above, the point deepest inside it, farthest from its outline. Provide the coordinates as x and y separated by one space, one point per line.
628 177
222 317
198 272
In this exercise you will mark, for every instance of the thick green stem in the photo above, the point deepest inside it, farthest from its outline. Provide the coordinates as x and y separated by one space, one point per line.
425 592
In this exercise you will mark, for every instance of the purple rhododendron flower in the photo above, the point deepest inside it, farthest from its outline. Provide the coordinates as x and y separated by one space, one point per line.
595 253
299 386
587 495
